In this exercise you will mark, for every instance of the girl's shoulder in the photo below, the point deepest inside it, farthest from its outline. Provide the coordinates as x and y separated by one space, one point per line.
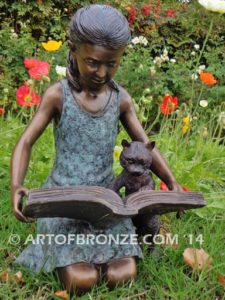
53 96
125 99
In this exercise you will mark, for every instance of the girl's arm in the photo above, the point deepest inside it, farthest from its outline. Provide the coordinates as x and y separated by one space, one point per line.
133 127
49 108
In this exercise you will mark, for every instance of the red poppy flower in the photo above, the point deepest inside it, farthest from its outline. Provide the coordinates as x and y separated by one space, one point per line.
171 13
207 78
145 9
25 96
2 111
132 15
169 104
42 69
163 187
31 62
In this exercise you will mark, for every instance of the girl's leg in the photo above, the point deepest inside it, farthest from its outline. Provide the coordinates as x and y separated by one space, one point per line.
120 271
78 277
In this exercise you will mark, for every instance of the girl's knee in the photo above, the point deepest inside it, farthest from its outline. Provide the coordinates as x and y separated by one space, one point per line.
120 271
79 277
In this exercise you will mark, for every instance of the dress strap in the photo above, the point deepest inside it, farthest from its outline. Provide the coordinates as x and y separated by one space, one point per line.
66 91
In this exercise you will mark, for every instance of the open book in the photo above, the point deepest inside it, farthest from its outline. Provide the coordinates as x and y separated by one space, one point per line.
100 205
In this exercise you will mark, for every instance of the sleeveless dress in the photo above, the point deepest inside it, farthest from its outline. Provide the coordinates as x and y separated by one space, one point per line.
84 156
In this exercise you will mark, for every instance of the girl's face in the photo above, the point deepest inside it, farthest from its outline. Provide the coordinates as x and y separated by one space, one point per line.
97 64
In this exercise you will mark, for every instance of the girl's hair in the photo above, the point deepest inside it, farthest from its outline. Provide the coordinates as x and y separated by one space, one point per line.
96 24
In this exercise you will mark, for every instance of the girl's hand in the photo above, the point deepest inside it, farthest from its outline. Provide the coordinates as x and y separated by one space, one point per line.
17 201
174 186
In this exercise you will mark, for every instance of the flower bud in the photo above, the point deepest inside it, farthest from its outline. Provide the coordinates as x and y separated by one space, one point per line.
205 132
46 78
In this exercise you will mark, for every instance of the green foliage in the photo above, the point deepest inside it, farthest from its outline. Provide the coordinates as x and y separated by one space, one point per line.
196 157
197 163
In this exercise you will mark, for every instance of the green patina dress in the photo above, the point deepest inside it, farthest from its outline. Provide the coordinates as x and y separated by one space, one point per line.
84 156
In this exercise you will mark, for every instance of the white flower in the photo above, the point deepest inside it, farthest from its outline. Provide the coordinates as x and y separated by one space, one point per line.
214 5
173 60
203 103
164 57
221 119
152 71
197 47
14 35
201 68
60 70
135 40
193 53
165 52
143 40
194 76
157 60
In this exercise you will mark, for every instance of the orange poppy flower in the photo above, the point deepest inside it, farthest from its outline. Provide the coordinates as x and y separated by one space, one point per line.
163 187
169 104
207 78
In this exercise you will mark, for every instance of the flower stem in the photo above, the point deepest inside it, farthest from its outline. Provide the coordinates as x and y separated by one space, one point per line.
200 56
205 41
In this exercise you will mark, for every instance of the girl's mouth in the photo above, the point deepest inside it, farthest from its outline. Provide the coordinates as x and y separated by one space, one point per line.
95 81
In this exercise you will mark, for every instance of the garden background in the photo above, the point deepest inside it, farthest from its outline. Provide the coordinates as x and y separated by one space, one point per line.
174 71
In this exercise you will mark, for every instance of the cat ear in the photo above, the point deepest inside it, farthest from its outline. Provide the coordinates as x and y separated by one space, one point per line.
150 145
125 143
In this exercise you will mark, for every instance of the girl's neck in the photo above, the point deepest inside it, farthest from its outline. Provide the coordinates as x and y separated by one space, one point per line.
94 93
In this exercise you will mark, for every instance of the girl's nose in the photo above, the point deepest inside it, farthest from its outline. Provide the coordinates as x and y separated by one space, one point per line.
101 72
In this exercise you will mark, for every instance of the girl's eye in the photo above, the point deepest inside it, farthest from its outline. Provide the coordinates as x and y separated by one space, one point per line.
91 63
112 65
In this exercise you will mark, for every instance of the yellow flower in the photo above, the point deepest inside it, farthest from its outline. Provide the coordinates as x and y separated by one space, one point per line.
117 152
214 5
186 121
52 45
186 125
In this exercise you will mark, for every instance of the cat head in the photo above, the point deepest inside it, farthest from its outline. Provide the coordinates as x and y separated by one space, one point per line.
136 157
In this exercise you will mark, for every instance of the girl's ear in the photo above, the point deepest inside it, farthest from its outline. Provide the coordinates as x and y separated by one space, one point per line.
125 143
72 46
150 145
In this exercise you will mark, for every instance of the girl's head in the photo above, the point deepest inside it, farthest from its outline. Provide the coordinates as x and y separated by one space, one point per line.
95 25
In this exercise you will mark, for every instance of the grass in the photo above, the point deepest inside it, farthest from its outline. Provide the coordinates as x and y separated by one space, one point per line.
197 163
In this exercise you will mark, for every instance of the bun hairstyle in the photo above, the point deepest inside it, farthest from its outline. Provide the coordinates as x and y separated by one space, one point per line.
95 24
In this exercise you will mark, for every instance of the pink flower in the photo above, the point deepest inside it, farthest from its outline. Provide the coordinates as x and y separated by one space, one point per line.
132 15
37 68
2 111
42 69
171 13
31 62
25 96
145 9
